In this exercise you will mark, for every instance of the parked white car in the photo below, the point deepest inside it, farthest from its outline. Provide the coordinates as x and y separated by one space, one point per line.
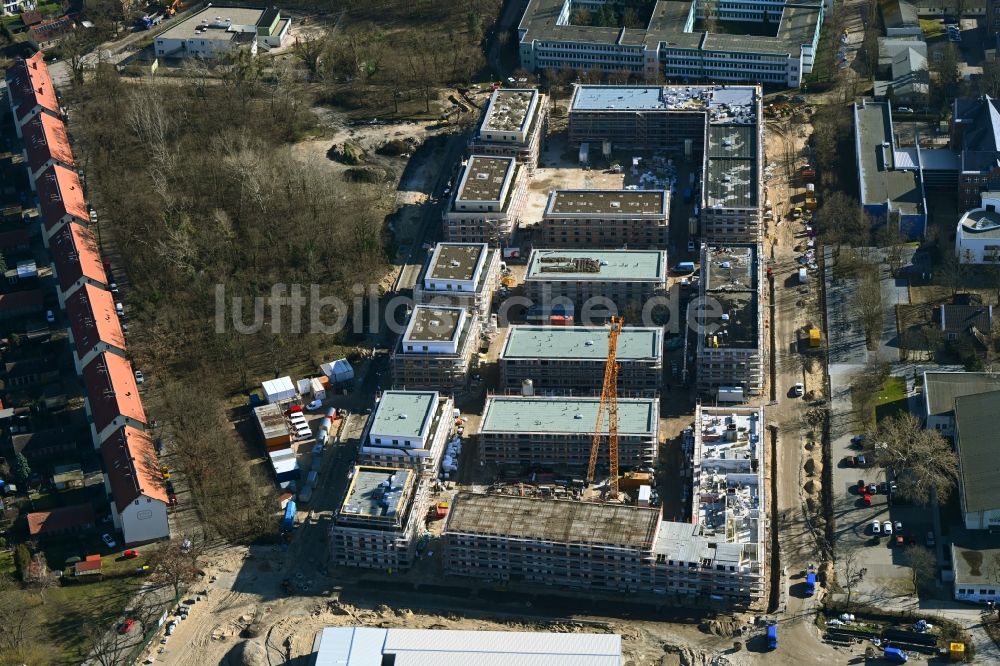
876 527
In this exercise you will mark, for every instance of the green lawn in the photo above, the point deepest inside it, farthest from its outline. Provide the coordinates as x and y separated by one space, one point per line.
891 399
7 562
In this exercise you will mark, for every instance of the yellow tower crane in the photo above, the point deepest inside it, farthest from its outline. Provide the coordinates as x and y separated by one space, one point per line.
609 403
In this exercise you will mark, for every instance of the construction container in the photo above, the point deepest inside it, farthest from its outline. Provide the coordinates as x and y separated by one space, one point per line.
814 337
956 651
632 480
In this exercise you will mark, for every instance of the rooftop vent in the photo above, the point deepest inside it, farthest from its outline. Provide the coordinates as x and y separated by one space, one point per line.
403 417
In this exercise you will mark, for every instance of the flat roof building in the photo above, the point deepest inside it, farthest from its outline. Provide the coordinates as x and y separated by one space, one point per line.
732 184
978 469
977 238
604 281
570 359
606 218
436 349
378 522
730 362
513 125
217 31
670 47
407 429
371 646
523 431
460 274
942 389
487 203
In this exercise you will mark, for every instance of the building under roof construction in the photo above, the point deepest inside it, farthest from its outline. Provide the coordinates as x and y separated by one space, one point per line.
513 125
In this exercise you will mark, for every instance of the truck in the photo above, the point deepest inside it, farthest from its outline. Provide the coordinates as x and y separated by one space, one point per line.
814 336
807 172
149 20
810 202
811 583
772 637
288 520
803 276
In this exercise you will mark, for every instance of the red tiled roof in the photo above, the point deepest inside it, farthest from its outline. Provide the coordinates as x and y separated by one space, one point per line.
30 85
92 317
66 517
45 138
75 255
60 194
132 466
21 300
87 566
31 17
111 390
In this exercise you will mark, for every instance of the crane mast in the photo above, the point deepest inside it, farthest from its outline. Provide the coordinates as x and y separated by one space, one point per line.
609 403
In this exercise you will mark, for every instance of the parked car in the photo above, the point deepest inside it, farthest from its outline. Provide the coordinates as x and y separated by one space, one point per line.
171 626
876 527
798 390
898 526
862 485
314 406
165 471
887 527
126 626
139 378
119 308
860 461
50 316
130 554
857 441
108 540
905 109
867 499
872 489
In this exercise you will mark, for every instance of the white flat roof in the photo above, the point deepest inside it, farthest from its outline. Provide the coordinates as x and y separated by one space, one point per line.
365 646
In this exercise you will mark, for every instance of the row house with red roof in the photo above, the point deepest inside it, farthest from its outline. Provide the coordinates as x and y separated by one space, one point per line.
118 422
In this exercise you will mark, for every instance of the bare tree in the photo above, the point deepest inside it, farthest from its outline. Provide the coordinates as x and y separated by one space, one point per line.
869 307
170 566
106 645
311 52
922 461
854 572
923 566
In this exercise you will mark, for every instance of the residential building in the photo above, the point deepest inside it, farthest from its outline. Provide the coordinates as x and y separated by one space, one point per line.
595 284
365 646
77 260
969 328
976 566
909 79
978 471
12 7
605 218
514 124
46 144
719 125
486 206
977 238
436 350
61 200
17 304
941 390
730 357
890 181
29 372
112 397
463 275
94 327
900 19
61 521
380 519
564 360
407 429
527 431
135 485
671 48
975 138
218 31
42 445
30 91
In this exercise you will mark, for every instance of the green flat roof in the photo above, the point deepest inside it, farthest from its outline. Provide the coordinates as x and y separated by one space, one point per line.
571 342
404 413
567 416
623 265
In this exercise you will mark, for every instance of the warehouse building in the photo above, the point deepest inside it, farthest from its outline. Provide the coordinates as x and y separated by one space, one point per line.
372 646
219 31
780 53
407 429
524 431
378 523
593 284
436 349
513 125
487 204
730 328
605 218
563 360
718 125
462 275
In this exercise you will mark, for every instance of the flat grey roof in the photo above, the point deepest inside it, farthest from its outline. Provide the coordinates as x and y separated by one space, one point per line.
732 183
485 178
186 29
732 141
432 323
942 388
571 415
581 342
732 267
976 558
560 521
456 261
739 328
608 202
377 493
666 99
508 110
597 265
981 223
404 413
880 181
975 440
593 98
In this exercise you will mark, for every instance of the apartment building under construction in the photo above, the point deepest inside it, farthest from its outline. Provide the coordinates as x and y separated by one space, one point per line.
407 429
436 349
605 219
514 124
486 206
465 275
